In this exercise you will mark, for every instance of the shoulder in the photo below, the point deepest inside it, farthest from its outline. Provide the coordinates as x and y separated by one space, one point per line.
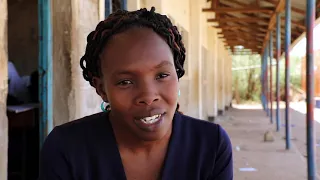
201 134
78 131
208 142
83 125
67 147
202 128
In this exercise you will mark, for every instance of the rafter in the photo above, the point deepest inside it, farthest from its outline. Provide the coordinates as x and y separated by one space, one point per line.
246 36
256 42
244 14
246 19
243 38
242 5
296 23
243 41
294 9
214 3
247 45
241 10
239 33
259 29
280 7
242 22
229 27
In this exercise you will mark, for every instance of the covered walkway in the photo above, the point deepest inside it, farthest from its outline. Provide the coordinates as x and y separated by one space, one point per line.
212 31
271 28
256 159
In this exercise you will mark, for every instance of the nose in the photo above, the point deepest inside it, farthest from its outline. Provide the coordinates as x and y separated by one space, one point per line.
147 96
147 99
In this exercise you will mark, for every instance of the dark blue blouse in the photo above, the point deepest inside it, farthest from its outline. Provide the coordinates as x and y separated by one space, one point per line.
86 149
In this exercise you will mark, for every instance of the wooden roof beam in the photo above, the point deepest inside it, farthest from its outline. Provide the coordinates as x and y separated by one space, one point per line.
241 22
258 29
259 38
243 39
230 42
214 3
250 14
240 43
242 33
294 9
258 3
244 36
255 26
280 7
246 19
240 10
296 23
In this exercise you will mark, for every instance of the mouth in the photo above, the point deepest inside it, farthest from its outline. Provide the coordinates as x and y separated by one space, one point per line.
151 119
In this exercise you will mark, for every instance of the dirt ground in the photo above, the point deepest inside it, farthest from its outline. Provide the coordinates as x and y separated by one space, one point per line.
246 125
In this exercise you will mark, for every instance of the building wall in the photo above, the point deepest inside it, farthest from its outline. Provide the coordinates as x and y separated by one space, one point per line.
3 89
202 91
82 100
61 59
73 97
316 60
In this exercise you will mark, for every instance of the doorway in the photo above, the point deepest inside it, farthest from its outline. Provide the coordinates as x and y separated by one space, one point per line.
29 91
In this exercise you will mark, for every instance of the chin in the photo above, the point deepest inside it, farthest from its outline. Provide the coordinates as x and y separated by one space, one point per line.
158 134
152 136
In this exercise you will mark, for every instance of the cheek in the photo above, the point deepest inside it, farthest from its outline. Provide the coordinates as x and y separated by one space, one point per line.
169 92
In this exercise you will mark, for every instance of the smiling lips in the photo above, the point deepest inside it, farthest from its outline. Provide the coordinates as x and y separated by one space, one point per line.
152 119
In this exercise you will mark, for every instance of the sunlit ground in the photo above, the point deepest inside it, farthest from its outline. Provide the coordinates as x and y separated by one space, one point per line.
297 106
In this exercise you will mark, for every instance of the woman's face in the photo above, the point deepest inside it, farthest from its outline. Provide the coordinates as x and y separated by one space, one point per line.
140 82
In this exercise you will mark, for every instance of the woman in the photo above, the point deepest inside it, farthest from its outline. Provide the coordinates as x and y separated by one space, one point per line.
134 61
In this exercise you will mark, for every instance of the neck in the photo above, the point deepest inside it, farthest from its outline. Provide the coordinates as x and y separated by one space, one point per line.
129 141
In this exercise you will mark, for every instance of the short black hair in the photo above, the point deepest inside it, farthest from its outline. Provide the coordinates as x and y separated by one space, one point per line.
121 21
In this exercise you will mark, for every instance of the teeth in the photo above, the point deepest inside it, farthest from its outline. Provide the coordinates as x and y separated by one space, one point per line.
152 119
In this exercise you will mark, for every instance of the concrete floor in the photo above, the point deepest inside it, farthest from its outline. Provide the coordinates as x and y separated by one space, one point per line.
246 125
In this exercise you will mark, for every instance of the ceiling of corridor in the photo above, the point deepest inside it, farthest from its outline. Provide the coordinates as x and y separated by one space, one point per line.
247 23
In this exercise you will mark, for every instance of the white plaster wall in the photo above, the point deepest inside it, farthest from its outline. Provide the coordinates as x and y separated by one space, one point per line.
82 99
3 89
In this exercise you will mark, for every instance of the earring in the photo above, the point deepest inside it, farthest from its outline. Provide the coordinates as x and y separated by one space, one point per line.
179 93
105 109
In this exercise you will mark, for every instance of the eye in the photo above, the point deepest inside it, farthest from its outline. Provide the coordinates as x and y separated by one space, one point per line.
124 83
162 76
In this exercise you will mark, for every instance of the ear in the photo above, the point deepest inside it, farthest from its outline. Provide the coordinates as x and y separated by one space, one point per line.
98 84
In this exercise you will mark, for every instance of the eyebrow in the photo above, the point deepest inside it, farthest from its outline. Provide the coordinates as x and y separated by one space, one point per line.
128 72
163 63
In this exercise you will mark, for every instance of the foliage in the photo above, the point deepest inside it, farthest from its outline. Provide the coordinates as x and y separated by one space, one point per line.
247 72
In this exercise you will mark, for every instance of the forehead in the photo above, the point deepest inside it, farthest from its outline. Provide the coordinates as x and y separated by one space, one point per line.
137 47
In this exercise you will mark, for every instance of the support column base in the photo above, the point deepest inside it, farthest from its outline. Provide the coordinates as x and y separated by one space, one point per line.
220 112
211 118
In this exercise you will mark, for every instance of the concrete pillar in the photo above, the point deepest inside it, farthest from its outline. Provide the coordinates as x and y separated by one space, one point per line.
231 81
212 75
82 99
215 73
158 4
195 66
221 79
61 30
3 89
227 79
133 5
